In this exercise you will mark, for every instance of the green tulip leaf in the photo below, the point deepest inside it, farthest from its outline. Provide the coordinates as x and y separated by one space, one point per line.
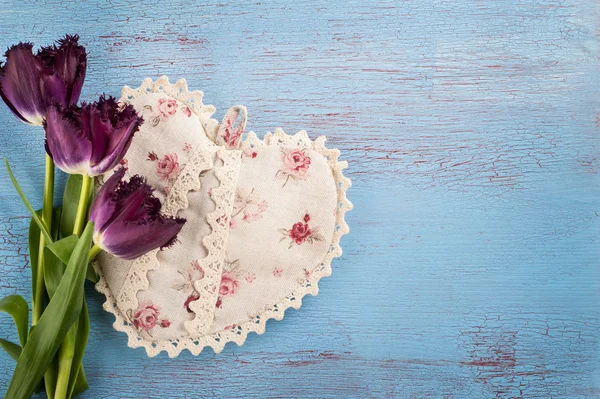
62 311
83 331
34 242
81 385
34 215
63 248
91 274
18 309
12 349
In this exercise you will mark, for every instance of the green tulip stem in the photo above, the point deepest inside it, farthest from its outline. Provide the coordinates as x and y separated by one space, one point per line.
81 217
67 349
40 290
94 251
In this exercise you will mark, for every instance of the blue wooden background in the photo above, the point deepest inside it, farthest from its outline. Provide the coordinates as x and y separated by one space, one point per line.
472 133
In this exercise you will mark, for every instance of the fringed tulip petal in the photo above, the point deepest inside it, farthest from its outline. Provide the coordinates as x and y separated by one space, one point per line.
112 132
66 142
130 240
127 218
30 83
103 206
105 127
69 61
21 79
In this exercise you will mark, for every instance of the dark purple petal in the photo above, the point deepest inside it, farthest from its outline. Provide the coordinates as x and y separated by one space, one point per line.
112 130
127 218
104 205
68 60
53 90
66 141
130 240
134 201
20 84
99 133
131 208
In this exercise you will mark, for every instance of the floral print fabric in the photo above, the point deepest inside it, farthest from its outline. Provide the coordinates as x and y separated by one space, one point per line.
160 152
281 222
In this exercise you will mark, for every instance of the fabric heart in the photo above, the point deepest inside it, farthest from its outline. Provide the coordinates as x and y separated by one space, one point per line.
264 222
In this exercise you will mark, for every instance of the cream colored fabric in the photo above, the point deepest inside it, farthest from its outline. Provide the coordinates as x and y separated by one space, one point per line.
264 220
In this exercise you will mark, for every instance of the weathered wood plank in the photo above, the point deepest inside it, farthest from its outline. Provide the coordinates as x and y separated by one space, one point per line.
471 129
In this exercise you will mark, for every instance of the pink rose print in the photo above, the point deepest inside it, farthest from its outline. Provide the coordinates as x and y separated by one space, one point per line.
167 107
250 277
248 207
187 147
123 163
301 233
152 156
193 297
230 281
229 284
296 161
249 153
231 136
277 272
168 167
187 111
193 273
295 165
145 318
261 208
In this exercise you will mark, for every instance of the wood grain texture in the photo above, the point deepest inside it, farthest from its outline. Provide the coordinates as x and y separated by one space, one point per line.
471 129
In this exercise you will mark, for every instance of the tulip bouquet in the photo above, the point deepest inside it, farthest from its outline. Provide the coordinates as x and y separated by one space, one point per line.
123 218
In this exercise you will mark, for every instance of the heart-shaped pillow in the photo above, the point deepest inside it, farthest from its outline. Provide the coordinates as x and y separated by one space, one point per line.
264 221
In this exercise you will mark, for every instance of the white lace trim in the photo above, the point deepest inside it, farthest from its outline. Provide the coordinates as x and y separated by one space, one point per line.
137 277
215 243
178 91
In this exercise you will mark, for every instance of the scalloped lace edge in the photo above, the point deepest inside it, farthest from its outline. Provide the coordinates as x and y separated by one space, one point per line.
137 277
215 243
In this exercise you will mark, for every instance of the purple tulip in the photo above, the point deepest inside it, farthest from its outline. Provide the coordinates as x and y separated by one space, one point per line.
127 219
30 83
91 139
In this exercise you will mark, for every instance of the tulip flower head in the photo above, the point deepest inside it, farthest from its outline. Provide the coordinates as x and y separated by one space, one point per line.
91 139
30 83
127 219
